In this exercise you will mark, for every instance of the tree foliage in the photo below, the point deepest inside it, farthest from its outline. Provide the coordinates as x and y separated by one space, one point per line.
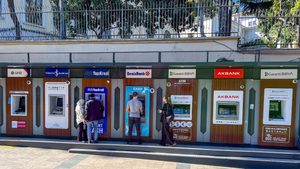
102 16
279 20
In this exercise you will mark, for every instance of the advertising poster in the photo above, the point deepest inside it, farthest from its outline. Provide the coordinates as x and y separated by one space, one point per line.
144 97
182 130
276 134
56 105
182 106
278 106
100 94
228 107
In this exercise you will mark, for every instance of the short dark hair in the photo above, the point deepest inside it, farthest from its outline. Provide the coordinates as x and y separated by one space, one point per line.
134 94
92 95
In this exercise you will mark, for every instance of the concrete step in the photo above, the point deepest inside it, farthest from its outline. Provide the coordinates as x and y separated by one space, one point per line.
227 161
221 151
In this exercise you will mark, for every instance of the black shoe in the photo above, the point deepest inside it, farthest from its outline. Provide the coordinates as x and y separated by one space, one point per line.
140 142
89 142
95 141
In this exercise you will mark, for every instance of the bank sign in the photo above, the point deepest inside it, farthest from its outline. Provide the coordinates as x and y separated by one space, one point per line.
138 73
278 74
229 73
18 72
57 73
182 73
96 73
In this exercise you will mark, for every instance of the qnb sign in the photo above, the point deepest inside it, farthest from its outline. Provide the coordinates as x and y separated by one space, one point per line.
18 72
229 74
138 73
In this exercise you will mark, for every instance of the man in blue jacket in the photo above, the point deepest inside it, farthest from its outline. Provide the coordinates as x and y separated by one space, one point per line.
94 109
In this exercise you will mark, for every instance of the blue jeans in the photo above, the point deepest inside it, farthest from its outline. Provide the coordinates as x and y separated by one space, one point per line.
90 125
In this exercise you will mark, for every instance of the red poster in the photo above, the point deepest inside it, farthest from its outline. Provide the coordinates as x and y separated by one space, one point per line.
229 74
21 124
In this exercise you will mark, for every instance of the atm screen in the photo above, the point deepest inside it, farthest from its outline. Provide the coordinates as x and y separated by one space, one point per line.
59 102
275 109
227 110
181 108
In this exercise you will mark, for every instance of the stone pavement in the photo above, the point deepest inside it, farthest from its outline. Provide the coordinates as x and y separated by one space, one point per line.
35 158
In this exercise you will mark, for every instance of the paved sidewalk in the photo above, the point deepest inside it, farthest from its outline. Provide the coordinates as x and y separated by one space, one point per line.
35 158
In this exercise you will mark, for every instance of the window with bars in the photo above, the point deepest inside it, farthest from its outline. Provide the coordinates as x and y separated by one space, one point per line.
34 12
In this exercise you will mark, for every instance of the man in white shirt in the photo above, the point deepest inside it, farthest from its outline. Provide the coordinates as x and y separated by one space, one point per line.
135 109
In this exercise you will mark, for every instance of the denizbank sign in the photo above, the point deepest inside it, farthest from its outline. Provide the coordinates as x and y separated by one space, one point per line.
138 73
182 73
278 74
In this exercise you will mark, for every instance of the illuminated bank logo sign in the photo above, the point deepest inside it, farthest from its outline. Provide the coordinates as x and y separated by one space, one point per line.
18 72
228 97
57 73
138 73
229 73
182 73
97 73
278 74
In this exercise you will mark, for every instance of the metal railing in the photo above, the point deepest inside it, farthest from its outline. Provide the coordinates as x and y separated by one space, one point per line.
117 21
152 20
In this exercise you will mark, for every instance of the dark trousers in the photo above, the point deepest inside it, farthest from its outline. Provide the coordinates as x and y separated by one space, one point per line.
82 135
166 134
137 123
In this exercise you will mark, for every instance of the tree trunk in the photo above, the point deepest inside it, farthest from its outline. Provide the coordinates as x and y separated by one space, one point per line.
299 35
13 15
224 18
201 18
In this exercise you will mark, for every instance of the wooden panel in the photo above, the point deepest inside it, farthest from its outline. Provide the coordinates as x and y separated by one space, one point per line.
19 84
222 133
57 132
186 87
139 82
277 84
89 82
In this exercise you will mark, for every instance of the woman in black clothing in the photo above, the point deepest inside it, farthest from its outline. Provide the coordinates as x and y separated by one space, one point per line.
167 116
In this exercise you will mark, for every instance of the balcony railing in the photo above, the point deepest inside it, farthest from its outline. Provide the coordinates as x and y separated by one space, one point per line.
149 21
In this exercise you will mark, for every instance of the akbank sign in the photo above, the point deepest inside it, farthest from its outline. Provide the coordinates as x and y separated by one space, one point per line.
138 73
278 74
57 73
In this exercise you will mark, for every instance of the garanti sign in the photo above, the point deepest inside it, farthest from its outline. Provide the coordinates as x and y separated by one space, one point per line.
278 74
182 73
229 74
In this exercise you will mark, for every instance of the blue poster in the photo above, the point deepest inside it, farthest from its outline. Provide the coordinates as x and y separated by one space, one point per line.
57 72
100 94
144 97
